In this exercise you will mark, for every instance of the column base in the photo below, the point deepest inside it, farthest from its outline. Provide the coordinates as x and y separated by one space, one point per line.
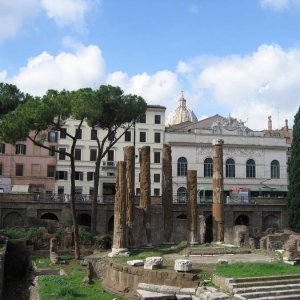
118 252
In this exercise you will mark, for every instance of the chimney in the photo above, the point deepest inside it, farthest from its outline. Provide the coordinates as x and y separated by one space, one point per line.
269 123
286 125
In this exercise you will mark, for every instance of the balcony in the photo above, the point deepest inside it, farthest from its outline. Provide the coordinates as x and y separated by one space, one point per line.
108 164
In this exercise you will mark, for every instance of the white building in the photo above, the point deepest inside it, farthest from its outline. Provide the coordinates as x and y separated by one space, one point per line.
254 161
148 131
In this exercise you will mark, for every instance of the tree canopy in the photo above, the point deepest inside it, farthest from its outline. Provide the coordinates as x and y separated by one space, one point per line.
294 177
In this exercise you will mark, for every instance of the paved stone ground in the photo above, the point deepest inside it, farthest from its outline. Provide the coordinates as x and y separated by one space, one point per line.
231 258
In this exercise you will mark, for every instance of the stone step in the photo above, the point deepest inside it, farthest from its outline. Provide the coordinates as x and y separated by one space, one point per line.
282 297
254 289
270 293
278 278
264 283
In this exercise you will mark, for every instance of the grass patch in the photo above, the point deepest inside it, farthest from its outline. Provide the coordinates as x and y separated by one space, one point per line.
53 287
160 251
43 262
256 269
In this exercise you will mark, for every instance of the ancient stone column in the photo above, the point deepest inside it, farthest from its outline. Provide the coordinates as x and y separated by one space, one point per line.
167 195
119 239
129 158
192 214
145 190
218 191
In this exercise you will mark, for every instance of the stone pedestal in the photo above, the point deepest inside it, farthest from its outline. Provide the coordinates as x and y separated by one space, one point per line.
152 263
119 238
192 213
167 194
145 190
183 265
218 192
129 158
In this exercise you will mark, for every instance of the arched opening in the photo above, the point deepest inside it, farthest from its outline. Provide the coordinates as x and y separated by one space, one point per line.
182 166
270 221
242 220
49 216
208 229
84 219
13 219
182 217
110 225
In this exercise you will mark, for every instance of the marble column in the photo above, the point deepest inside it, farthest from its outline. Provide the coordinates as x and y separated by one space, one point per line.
129 158
145 190
167 194
192 213
218 191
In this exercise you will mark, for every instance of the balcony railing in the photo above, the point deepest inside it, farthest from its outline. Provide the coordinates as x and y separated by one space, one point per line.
109 164
79 198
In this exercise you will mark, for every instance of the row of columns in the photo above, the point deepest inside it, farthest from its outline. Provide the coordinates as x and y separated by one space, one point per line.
125 190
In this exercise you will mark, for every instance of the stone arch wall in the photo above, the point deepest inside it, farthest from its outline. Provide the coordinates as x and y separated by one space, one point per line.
49 216
242 219
270 221
13 219
84 219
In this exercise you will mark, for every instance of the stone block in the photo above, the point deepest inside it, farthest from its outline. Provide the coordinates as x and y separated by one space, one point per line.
222 261
135 263
152 263
183 265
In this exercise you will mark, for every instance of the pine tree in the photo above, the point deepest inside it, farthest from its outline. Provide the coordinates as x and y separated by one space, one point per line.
294 177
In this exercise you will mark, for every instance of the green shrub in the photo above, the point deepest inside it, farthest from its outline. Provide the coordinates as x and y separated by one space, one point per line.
103 241
15 233
34 234
85 237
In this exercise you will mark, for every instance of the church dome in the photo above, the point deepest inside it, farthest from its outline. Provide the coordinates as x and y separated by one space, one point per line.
181 114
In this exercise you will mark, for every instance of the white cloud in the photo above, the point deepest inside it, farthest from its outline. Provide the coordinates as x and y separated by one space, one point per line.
3 75
280 4
160 88
67 12
13 14
70 71
251 87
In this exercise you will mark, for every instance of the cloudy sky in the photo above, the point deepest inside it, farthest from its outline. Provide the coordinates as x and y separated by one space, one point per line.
229 57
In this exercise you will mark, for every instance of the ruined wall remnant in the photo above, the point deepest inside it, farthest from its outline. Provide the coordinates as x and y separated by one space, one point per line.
129 158
218 191
145 189
192 213
167 195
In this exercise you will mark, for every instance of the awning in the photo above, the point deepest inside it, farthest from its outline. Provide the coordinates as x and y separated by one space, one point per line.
21 188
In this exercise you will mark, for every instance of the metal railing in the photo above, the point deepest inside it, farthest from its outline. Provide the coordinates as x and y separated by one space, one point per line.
79 198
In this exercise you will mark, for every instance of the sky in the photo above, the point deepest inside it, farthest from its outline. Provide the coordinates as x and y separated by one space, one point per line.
229 57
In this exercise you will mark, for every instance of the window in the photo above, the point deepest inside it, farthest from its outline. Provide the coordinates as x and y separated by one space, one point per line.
157 137
93 134
230 168
60 190
208 167
61 175
157 157
156 192
62 155
51 150
181 166
1 169
77 154
90 176
127 136
156 178
51 171
79 134
52 136
78 175
63 133
181 195
142 118
275 169
137 191
93 154
250 168
142 136
110 155
157 119
21 149
19 170
2 148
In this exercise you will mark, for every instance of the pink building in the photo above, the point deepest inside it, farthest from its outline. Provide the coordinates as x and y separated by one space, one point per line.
25 167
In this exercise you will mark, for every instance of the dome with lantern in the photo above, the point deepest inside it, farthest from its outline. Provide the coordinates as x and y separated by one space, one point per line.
181 114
